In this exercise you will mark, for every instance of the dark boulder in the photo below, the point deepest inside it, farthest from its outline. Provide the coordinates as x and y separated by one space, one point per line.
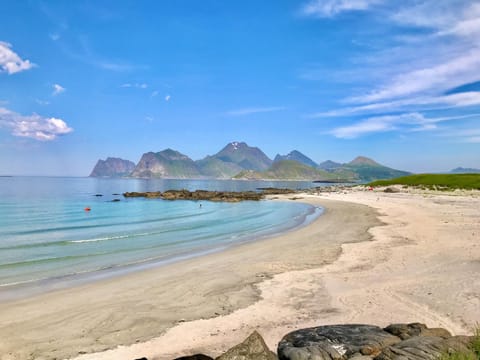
335 342
253 348
362 342
195 357
425 348
406 331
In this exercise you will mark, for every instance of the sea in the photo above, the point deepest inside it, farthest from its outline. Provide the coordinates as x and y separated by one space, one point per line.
48 239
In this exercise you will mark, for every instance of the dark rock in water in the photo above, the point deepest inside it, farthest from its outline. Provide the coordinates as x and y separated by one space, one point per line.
116 194
276 191
253 348
149 194
195 357
406 331
115 200
335 342
98 195
227 196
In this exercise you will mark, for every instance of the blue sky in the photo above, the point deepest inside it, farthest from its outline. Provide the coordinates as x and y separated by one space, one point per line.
83 80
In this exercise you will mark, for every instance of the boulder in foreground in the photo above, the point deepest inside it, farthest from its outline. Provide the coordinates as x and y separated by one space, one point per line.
253 348
396 342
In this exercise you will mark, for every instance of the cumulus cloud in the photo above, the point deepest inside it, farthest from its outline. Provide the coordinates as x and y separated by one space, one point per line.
167 98
33 126
57 89
10 62
330 8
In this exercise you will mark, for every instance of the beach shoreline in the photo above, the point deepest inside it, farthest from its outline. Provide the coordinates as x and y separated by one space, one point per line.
321 274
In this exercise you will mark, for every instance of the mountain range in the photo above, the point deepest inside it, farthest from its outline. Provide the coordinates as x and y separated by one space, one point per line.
240 161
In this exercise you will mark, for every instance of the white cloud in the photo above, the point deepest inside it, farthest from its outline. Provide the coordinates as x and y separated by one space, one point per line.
135 85
10 62
42 102
441 77
330 8
167 98
407 122
249 111
57 89
466 135
33 126
154 93
470 98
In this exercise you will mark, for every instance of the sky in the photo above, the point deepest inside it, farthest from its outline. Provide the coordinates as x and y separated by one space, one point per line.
397 81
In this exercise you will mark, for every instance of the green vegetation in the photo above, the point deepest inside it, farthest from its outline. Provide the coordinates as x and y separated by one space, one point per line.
473 354
369 172
435 181
293 170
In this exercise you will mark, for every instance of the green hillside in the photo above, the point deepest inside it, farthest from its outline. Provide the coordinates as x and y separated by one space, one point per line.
291 170
439 181
369 170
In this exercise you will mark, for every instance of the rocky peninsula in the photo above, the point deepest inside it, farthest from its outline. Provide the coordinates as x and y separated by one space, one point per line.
225 196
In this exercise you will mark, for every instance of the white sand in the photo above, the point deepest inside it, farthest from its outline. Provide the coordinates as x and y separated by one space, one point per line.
423 265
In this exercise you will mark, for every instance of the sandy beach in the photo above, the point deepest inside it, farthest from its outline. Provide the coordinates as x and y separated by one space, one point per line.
373 257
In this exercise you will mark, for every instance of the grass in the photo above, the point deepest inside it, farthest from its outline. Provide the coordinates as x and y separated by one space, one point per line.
435 181
473 354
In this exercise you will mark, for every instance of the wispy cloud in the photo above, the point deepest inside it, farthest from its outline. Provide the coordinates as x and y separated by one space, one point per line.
11 62
42 102
54 36
469 135
408 122
254 110
462 99
33 126
445 54
58 89
154 93
432 48
329 8
440 77
167 98
135 85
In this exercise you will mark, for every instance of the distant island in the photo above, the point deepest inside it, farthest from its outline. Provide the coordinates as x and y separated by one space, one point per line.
462 170
237 160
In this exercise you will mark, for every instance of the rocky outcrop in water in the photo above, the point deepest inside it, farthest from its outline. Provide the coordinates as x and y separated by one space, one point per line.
224 196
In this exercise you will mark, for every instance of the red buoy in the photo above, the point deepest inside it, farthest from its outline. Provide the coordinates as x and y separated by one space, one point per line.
87 209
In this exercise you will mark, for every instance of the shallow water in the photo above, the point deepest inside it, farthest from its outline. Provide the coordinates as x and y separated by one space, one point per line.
46 236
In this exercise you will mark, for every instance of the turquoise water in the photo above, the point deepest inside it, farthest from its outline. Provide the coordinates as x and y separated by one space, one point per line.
47 238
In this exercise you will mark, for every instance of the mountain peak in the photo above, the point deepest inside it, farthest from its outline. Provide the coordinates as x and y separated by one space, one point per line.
362 160
247 157
235 145
112 167
297 156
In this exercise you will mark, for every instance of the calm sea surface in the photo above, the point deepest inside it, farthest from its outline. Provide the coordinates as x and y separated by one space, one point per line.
48 240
